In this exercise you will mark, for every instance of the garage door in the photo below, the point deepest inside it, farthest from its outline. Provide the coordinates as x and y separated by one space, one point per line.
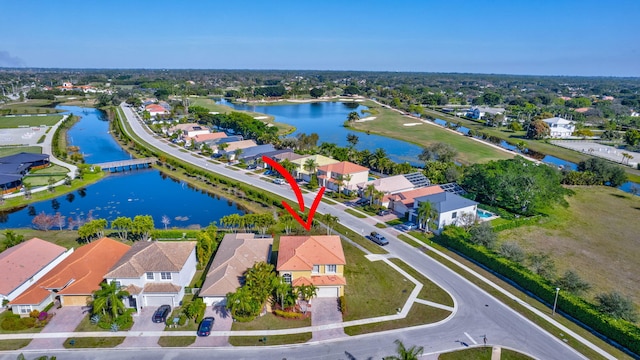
158 300
327 291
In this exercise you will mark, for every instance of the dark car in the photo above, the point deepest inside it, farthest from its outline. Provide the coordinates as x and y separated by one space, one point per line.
378 239
161 314
205 326
384 212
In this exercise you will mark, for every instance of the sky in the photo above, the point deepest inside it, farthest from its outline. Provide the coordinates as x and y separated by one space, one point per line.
535 37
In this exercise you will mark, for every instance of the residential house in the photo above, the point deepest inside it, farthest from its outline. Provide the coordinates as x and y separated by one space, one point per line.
301 173
73 281
24 264
387 186
402 203
450 208
155 110
236 253
479 112
313 260
343 175
188 130
559 127
274 155
255 152
155 272
231 149
201 139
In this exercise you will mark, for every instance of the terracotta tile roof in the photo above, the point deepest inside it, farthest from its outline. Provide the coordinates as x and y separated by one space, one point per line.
210 136
322 280
187 126
407 197
582 110
343 167
236 253
21 262
152 256
155 108
79 274
162 288
242 144
302 252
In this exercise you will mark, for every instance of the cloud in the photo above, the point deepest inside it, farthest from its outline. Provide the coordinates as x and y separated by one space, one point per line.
10 61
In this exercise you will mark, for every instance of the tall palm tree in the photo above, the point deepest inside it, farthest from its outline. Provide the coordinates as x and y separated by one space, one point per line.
353 116
379 156
403 353
339 183
310 165
426 213
288 165
352 139
369 191
330 220
241 303
108 299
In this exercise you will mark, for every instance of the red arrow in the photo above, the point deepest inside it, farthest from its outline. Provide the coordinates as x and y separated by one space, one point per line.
296 189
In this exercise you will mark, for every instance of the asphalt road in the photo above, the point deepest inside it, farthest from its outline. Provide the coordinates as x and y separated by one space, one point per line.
477 313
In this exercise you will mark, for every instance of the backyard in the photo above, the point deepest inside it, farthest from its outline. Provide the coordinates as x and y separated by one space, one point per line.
597 236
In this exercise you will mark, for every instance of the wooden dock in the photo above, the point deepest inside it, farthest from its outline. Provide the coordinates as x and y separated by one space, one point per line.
124 165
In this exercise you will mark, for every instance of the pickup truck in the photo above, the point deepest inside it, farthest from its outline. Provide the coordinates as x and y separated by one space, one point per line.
378 239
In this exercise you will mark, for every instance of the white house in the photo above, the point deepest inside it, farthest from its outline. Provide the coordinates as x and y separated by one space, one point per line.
449 206
155 272
24 264
155 110
559 127
344 175
236 254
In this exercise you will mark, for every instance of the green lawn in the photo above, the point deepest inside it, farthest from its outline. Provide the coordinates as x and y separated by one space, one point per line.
31 106
4 314
10 345
7 122
390 123
176 341
373 287
37 181
102 342
270 322
86 325
430 290
419 314
270 340
12 150
54 169
597 236
361 240
64 238
355 213
482 353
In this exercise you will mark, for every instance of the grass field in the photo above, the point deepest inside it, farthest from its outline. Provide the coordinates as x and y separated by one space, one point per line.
35 106
482 353
12 150
8 345
390 123
373 287
597 236
176 341
212 106
430 291
419 314
270 340
270 322
102 342
9 122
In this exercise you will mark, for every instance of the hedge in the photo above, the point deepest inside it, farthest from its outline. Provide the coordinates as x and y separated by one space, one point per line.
621 331
517 223
343 305
174 234
288 314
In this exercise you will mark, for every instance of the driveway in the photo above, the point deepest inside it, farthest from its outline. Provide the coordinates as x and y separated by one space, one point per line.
325 311
143 322
66 319
222 322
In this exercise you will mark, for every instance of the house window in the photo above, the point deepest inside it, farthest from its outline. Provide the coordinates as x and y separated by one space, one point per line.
330 269
454 214
118 284
316 269
165 275
149 276
287 278
25 309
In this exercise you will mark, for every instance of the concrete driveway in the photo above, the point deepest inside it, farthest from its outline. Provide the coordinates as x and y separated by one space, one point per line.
66 319
143 322
222 322
325 311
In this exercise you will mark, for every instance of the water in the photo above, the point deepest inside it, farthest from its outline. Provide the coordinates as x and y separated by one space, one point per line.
483 214
138 192
326 119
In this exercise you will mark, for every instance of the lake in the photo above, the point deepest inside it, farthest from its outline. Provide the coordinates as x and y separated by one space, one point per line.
326 119
138 192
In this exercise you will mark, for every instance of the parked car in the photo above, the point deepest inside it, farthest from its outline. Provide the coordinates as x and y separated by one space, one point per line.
205 326
252 167
408 226
378 239
161 314
279 181
384 212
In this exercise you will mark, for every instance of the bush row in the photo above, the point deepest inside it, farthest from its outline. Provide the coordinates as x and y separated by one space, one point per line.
618 330
343 305
517 223
288 314
174 234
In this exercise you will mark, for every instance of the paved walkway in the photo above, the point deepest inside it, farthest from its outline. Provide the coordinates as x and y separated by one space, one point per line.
326 311
496 353
142 323
66 319
222 322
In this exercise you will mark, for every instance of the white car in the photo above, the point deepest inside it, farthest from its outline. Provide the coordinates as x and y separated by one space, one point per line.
279 181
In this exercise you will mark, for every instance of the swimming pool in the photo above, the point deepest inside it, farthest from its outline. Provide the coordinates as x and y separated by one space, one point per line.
484 214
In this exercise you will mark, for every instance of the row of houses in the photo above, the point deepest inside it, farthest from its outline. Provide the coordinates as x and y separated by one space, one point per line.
36 273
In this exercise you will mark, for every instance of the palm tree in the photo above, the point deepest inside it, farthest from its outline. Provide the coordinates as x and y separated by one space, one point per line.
242 304
379 156
411 353
353 116
426 213
369 191
288 165
310 165
108 299
330 221
339 183
352 139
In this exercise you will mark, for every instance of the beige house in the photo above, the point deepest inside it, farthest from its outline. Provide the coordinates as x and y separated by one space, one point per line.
301 173
235 255
231 148
402 203
342 176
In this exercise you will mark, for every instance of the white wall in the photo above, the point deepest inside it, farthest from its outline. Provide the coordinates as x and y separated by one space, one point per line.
447 218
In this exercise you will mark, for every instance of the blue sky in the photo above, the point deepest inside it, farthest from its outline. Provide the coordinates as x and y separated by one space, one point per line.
541 37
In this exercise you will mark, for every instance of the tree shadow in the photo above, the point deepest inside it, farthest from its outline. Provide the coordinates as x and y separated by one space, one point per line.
351 357
221 311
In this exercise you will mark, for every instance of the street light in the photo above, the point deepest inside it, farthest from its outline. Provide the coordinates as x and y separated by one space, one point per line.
555 302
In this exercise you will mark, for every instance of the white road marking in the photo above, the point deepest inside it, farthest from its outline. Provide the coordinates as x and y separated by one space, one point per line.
470 338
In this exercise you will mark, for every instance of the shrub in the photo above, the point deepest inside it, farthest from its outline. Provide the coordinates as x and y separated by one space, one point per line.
48 307
42 316
34 314
124 321
617 305
95 319
12 322
183 320
343 305
28 322
169 321
288 314
512 251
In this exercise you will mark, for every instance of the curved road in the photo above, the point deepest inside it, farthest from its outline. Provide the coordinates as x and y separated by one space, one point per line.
478 314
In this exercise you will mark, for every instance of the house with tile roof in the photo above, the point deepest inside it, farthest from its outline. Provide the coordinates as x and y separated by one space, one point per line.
230 150
201 139
73 281
342 176
402 203
24 264
155 110
188 130
236 254
449 206
559 127
301 173
313 260
393 185
155 272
